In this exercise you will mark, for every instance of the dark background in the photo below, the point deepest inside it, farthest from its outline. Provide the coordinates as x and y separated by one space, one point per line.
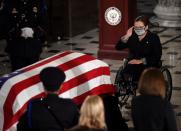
66 18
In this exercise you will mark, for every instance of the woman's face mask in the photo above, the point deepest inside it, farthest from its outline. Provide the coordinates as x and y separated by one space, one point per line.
139 31
140 28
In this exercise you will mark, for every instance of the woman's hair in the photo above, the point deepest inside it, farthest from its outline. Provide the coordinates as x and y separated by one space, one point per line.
152 82
92 112
143 19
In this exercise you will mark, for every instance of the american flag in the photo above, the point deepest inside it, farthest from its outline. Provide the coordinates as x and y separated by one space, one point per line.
85 75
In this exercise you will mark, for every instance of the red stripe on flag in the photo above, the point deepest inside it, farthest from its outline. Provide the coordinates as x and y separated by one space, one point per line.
18 114
75 62
84 77
102 89
15 90
46 61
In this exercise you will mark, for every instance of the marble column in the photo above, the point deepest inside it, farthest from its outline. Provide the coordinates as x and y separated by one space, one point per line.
168 13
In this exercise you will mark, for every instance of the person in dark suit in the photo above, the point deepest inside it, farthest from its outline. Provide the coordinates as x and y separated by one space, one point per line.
50 113
150 111
26 20
144 47
113 116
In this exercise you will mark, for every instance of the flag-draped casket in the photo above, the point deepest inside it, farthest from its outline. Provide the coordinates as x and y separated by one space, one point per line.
85 75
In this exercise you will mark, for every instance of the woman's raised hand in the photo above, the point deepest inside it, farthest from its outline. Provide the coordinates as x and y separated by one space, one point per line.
129 32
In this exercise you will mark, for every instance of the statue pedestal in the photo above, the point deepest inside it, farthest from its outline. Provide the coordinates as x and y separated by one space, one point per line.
167 16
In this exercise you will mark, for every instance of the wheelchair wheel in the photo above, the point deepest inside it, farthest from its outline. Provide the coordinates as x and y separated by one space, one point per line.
168 80
118 78
124 87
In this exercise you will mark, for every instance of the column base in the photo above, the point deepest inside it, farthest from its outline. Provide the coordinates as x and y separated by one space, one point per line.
165 23
167 16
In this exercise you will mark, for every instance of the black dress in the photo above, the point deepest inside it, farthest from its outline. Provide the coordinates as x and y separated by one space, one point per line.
152 113
49 114
113 116
149 49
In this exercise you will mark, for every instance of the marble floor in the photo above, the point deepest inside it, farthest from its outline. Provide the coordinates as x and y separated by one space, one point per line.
88 43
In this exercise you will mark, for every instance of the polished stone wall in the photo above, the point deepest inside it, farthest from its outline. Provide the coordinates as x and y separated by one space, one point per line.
68 18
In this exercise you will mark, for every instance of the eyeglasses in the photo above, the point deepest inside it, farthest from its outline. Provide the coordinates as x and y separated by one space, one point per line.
139 27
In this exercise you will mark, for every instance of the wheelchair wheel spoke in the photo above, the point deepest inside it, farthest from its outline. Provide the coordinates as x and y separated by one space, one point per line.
168 83
125 87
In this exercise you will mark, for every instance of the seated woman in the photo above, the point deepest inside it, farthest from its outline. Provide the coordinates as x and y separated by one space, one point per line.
145 49
150 111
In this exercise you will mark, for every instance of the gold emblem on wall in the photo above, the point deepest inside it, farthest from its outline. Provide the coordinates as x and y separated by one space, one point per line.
113 16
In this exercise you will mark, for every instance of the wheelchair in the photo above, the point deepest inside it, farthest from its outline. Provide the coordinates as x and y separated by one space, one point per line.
126 86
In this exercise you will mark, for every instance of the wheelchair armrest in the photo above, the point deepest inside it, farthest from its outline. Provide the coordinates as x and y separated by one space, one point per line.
125 62
160 64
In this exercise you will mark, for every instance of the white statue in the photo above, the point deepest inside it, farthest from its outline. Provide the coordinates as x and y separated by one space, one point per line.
168 13
168 3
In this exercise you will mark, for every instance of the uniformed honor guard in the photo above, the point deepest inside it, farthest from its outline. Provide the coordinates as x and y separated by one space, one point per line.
26 31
